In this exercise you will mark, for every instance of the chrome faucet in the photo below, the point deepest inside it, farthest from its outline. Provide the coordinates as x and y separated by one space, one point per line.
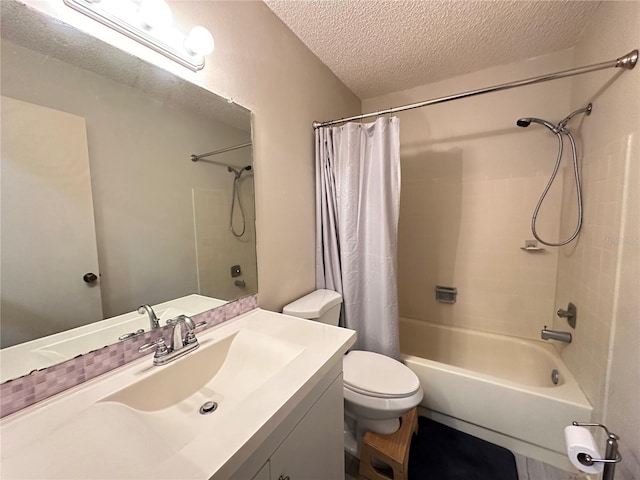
555 335
183 332
153 320
183 340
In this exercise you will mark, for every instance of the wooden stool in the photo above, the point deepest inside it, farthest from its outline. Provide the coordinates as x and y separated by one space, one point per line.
392 449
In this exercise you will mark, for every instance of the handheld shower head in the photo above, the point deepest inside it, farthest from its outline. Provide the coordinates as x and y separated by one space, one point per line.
559 131
238 172
525 122
561 127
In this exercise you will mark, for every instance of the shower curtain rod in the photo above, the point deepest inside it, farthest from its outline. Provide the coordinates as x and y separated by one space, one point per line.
627 61
195 158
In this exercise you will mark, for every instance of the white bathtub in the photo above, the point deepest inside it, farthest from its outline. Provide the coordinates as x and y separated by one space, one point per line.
495 387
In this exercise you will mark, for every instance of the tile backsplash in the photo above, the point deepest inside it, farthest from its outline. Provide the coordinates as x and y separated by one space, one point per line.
39 385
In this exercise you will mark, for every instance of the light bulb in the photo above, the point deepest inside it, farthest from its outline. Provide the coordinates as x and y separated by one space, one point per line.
199 41
155 14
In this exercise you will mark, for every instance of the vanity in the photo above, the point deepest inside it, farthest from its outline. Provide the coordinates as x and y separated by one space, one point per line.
275 381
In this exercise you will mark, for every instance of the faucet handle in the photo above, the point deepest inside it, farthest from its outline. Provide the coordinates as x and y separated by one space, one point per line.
160 346
191 334
571 314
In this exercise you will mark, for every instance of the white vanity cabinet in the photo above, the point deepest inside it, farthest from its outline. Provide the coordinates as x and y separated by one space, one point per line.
264 473
313 449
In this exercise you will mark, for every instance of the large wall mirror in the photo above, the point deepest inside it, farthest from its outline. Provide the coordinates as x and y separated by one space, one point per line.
102 208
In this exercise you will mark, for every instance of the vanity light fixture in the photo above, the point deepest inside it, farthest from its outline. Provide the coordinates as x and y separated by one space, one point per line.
149 23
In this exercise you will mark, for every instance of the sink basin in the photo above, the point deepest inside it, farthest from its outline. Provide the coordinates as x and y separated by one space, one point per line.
226 372
223 371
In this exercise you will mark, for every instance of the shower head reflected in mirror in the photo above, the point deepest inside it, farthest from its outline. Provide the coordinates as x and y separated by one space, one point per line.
238 173
235 197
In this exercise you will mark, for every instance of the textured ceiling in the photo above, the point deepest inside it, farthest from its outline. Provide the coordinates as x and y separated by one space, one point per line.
378 47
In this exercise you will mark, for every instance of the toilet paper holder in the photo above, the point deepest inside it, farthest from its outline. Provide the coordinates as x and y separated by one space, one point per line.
611 454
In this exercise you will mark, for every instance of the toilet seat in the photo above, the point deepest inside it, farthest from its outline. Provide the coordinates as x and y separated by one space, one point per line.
375 375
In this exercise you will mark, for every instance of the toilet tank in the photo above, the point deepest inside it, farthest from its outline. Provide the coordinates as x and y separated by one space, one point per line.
321 305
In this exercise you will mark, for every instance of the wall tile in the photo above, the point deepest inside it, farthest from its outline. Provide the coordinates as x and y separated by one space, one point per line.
588 270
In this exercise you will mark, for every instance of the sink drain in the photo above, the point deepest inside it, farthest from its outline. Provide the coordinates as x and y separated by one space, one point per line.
208 407
555 376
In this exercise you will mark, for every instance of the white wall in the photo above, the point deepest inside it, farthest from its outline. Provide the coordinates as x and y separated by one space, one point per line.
142 181
261 65
601 274
217 248
470 181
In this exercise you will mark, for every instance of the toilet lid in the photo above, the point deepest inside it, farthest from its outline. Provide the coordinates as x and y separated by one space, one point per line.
376 375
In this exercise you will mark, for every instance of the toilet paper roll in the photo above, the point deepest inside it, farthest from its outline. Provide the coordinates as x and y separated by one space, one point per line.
579 442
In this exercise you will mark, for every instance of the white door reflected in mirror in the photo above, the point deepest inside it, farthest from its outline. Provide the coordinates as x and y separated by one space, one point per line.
46 202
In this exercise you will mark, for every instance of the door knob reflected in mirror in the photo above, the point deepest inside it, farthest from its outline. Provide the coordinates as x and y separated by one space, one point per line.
90 277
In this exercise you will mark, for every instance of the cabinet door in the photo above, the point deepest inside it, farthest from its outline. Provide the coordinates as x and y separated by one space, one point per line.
314 449
263 474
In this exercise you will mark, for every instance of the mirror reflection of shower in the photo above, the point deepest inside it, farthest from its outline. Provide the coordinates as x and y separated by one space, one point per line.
235 195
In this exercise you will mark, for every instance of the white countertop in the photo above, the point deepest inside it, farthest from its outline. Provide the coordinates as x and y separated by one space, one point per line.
76 435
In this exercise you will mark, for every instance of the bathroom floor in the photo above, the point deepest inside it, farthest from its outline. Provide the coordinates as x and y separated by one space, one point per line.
528 469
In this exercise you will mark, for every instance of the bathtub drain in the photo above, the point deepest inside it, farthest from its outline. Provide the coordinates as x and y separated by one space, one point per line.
555 376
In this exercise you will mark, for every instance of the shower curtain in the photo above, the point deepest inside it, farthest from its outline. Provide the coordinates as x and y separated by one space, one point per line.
357 209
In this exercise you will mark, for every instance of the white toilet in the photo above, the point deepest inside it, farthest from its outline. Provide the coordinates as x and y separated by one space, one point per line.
377 389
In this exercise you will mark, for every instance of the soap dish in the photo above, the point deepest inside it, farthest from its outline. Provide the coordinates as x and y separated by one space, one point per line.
532 246
532 249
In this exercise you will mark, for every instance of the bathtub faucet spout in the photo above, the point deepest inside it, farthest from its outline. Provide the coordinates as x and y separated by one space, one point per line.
555 335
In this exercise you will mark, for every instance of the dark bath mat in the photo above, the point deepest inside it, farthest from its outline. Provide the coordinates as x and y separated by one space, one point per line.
439 452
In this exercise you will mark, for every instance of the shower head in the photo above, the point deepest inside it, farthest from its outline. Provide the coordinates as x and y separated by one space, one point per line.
237 173
561 127
525 122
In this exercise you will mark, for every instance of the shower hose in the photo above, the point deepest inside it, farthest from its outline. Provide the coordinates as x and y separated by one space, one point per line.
559 130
